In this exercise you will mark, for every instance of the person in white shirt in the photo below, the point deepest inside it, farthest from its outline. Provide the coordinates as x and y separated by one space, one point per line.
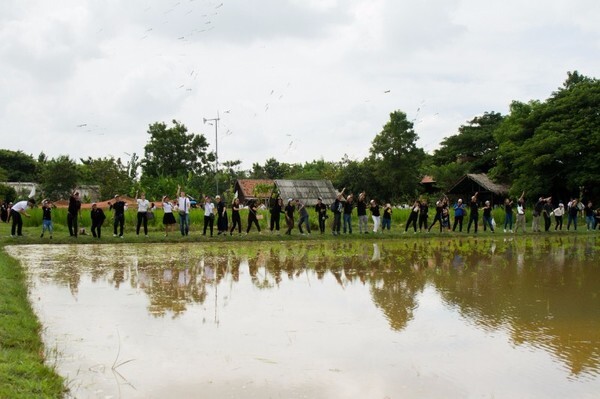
168 218
558 216
183 204
520 213
142 214
18 209
209 215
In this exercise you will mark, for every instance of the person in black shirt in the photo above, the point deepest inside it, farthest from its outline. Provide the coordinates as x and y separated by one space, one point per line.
47 218
276 211
546 212
414 215
423 214
337 208
4 212
97 216
235 216
473 214
119 211
361 212
375 215
321 210
439 209
252 216
222 219
73 213
348 206
487 216
289 216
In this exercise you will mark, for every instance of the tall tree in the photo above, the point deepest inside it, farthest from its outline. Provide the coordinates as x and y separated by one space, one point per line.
474 145
173 152
397 158
108 173
557 142
272 169
19 166
59 177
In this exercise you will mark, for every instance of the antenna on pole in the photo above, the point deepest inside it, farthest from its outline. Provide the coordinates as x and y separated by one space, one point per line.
216 121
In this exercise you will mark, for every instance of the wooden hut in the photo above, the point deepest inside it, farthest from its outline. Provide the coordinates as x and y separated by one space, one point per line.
472 183
428 184
252 189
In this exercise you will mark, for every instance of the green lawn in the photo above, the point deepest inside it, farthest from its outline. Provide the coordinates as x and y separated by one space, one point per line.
23 373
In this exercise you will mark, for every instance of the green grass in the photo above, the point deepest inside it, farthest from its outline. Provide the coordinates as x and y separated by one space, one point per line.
23 373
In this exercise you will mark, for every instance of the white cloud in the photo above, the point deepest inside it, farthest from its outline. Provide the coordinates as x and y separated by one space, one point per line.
300 80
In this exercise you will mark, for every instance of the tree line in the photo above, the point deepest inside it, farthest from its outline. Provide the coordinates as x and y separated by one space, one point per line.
547 148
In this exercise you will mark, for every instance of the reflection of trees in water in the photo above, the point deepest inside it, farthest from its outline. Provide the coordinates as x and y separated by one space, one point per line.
545 293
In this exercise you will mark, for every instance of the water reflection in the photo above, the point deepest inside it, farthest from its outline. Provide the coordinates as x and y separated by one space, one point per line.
543 292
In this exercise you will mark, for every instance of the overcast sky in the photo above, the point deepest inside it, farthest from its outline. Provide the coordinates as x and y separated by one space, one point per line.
297 80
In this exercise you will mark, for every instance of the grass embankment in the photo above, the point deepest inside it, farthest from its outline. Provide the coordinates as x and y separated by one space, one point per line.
23 373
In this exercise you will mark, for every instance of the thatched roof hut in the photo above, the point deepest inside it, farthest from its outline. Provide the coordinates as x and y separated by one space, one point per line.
471 183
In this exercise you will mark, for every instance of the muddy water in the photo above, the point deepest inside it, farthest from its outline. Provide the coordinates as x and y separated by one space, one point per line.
444 318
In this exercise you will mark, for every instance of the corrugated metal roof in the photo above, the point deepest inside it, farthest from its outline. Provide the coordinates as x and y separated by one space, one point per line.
307 191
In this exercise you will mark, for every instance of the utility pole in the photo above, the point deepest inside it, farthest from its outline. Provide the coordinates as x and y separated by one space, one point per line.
216 121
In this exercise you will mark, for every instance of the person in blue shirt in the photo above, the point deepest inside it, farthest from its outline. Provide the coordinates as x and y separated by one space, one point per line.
459 213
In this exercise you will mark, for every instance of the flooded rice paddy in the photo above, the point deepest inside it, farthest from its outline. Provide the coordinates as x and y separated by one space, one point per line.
451 318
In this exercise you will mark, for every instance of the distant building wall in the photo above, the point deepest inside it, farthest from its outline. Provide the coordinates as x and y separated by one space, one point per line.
24 189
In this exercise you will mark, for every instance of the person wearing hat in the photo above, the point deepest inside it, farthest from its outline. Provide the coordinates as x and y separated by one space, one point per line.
18 209
118 209
97 215
73 213
47 218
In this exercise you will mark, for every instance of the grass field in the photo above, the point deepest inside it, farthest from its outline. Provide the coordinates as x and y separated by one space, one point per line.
23 373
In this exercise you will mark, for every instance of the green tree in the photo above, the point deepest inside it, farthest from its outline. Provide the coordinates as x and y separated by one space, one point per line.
59 177
551 147
19 166
396 159
108 173
474 145
173 152
272 169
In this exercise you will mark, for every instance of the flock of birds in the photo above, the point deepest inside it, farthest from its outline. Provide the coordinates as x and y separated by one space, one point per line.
207 21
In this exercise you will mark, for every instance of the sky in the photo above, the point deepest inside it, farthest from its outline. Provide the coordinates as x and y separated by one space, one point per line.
296 80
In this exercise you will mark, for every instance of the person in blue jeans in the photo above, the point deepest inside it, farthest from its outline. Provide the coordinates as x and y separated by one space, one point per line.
572 210
508 215
386 219
487 216
459 214
590 219
348 206
183 205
